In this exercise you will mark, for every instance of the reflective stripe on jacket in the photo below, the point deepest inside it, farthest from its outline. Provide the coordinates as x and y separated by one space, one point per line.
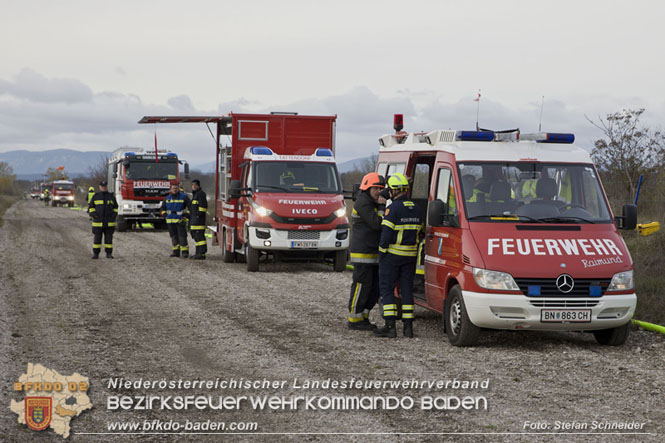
400 228
175 207
103 209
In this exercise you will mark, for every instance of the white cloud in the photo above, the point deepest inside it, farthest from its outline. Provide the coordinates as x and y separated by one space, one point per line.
34 87
36 120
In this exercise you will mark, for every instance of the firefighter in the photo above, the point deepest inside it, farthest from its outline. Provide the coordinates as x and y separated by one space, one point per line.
47 197
398 251
103 210
91 192
175 209
366 227
197 221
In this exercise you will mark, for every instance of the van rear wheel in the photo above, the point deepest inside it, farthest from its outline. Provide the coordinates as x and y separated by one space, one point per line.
614 336
460 330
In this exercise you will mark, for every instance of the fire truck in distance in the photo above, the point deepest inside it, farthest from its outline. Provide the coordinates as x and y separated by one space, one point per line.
277 190
140 183
62 193
519 233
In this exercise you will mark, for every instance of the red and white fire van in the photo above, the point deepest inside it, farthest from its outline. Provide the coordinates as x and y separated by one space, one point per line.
519 234
277 190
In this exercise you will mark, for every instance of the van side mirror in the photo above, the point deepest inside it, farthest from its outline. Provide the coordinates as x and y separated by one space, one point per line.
356 191
186 171
437 215
435 211
628 220
126 163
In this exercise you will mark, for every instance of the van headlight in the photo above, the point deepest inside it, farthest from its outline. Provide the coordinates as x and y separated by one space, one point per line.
341 212
623 281
494 280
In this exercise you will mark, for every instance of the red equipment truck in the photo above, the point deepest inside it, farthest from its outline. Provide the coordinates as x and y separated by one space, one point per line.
277 190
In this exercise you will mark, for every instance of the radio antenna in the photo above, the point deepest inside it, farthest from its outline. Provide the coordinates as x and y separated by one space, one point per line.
477 100
540 120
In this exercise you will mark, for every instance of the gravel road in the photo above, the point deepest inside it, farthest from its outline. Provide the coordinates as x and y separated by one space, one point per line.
145 316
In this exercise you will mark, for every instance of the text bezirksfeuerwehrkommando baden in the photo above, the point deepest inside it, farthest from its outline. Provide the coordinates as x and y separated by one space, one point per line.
380 398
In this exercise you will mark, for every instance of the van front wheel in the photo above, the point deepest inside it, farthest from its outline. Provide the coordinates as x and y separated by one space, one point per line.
614 336
460 330
252 257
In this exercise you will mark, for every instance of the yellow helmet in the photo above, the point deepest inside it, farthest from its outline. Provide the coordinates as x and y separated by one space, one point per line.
398 181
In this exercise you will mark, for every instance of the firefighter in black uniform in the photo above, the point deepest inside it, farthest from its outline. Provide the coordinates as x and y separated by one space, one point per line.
366 230
398 251
103 210
175 208
197 221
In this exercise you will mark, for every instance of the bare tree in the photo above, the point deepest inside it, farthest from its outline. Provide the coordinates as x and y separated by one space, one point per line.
626 150
97 171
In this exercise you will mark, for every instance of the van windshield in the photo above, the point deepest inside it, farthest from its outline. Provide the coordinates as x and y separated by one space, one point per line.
532 192
292 176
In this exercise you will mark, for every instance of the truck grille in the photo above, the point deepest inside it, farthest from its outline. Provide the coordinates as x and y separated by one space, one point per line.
304 235
564 303
548 286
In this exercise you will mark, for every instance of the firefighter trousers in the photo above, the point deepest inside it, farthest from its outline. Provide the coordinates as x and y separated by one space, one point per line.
178 233
97 241
200 239
394 269
364 291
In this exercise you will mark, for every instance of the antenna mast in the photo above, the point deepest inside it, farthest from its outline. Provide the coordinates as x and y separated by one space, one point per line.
477 100
540 120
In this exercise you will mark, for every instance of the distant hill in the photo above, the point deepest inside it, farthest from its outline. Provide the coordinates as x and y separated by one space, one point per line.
352 165
31 165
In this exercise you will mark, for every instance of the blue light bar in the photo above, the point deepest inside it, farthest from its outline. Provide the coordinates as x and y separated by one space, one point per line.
324 152
475 136
559 138
128 154
171 154
260 150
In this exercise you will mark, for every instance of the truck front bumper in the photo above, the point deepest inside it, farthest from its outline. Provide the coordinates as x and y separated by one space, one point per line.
266 239
517 311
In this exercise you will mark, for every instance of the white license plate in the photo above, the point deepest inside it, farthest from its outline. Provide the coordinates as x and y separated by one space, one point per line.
565 315
304 244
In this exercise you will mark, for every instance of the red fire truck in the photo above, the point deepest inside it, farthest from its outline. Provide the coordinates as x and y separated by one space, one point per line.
141 181
519 233
62 193
277 190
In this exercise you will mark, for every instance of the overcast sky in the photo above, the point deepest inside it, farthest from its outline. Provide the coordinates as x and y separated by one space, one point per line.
80 74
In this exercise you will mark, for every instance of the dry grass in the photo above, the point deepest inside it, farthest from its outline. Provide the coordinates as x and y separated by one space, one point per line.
5 202
648 254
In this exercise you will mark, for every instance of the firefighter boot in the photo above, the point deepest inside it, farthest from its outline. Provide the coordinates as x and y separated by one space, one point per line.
185 254
95 256
109 255
364 325
388 330
408 328
175 253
